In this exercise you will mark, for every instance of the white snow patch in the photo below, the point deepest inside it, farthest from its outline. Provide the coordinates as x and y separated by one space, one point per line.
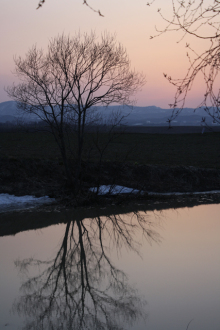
12 203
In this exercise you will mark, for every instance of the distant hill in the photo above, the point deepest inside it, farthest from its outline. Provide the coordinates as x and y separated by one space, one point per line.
7 112
138 116
10 114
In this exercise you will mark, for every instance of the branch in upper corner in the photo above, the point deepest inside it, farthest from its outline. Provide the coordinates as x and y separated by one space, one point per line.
41 2
96 11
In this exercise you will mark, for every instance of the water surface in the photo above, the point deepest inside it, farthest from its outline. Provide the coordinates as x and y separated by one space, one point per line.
163 266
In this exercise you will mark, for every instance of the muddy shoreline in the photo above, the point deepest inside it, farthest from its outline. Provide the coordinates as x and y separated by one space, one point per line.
47 178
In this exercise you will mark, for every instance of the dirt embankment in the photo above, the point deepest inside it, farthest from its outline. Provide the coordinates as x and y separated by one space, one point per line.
44 177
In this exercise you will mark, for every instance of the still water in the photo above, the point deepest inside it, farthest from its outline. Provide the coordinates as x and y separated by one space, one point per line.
137 270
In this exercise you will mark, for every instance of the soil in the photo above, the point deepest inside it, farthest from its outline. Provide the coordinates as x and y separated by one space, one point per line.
47 178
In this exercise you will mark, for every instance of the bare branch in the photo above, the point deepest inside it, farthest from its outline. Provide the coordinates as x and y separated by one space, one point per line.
201 19
85 2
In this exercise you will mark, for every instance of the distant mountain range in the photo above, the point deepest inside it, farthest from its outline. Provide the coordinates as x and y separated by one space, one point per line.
10 114
138 116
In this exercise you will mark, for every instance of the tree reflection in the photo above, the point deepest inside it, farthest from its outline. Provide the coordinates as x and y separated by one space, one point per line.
81 288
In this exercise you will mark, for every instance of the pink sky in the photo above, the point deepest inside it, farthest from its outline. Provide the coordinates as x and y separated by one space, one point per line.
133 22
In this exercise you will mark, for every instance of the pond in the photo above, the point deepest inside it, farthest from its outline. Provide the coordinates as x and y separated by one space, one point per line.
112 269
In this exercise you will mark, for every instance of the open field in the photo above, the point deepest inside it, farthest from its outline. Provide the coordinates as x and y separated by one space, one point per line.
199 150
30 163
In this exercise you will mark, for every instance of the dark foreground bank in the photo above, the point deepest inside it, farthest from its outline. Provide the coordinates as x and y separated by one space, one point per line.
47 178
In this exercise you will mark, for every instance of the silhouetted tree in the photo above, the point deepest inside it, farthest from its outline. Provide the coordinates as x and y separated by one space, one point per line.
200 19
65 84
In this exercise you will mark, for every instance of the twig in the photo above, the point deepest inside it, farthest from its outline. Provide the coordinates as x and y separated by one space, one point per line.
188 324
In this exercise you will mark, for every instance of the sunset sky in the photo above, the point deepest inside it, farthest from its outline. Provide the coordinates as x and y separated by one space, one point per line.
133 22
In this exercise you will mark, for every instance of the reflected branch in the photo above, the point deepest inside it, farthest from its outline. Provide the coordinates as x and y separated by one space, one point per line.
81 288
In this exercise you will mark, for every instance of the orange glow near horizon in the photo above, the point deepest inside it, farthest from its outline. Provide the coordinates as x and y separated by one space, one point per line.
133 22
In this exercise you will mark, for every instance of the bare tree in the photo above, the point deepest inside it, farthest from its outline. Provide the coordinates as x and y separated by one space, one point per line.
69 80
200 19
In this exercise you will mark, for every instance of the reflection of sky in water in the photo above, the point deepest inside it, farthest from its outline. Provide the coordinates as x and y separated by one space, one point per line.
179 277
